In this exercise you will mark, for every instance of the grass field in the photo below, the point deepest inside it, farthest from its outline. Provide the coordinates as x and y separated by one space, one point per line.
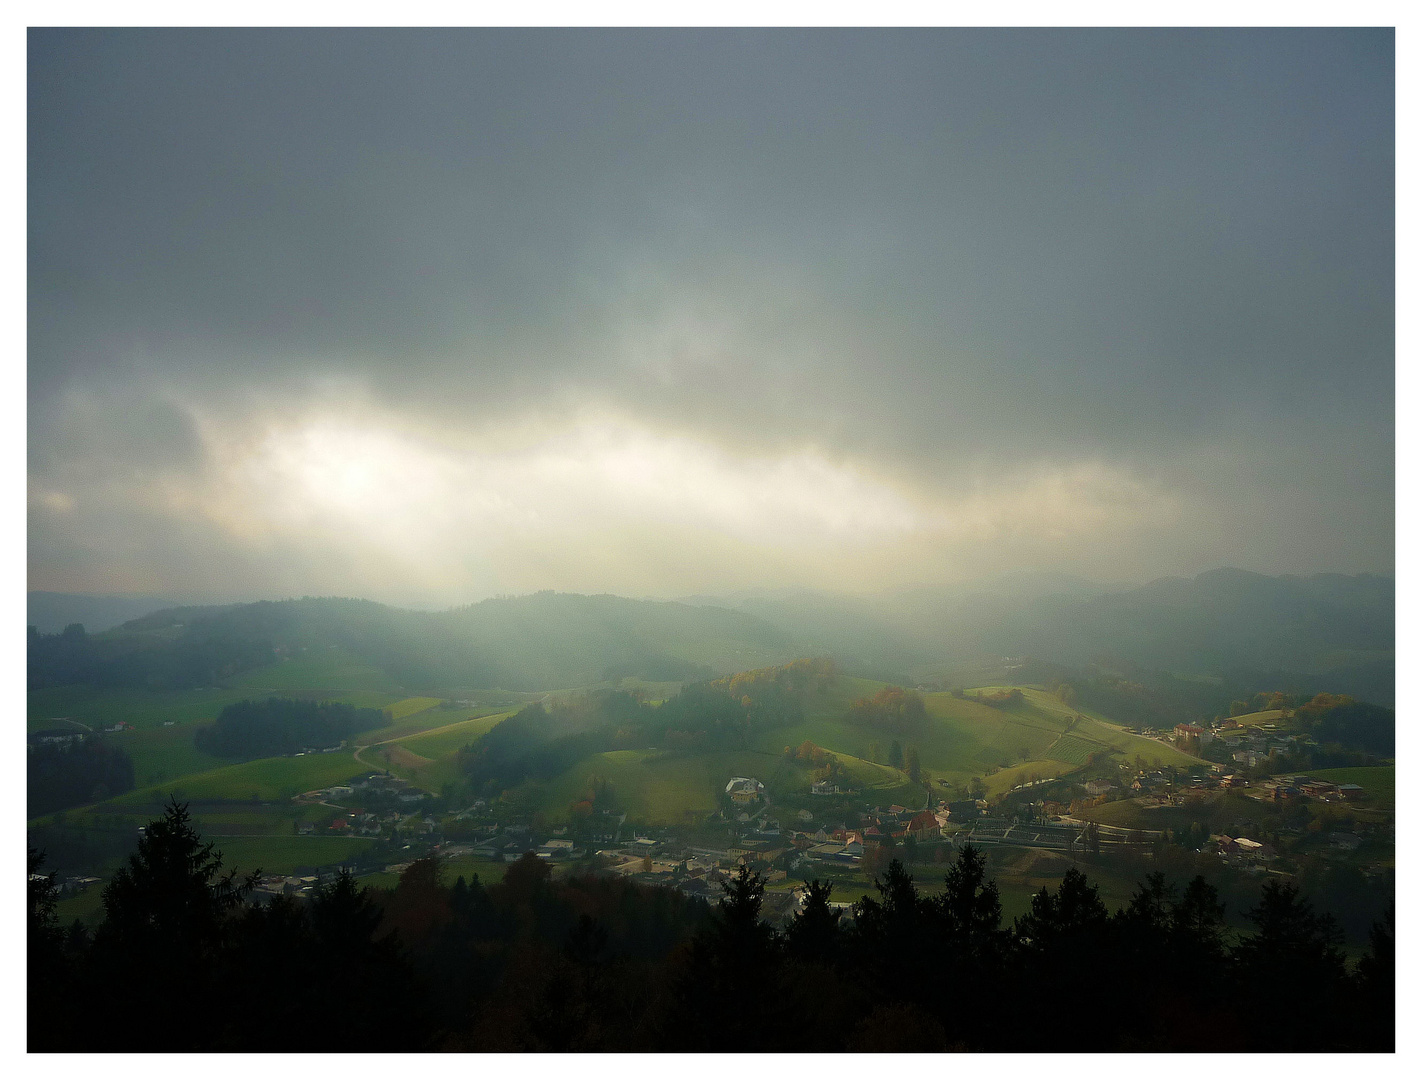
163 754
441 741
141 708
428 759
1000 783
286 854
268 779
1380 782
406 707
966 738
1268 716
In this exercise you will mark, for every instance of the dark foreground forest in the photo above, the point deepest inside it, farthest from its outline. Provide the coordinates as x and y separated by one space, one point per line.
182 962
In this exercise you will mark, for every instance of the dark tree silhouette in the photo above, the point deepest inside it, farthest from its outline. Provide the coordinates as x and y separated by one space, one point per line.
164 928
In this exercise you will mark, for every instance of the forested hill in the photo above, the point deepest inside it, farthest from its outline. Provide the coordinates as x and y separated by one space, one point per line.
543 641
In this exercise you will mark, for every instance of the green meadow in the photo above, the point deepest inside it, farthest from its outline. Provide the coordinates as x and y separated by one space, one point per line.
163 754
449 739
141 708
267 779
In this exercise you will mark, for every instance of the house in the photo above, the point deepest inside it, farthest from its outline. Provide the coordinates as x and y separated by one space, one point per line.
744 789
824 787
1193 731
805 815
1099 787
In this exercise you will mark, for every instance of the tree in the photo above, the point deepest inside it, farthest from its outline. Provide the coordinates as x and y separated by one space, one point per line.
48 972
913 768
1293 947
814 932
172 894
1377 980
166 925
969 906
896 754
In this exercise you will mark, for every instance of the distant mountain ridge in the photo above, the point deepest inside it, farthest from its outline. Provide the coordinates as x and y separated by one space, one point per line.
51 612
1336 629
1331 631
538 642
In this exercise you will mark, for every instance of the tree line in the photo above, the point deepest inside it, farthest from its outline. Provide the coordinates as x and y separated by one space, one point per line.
597 963
63 775
256 729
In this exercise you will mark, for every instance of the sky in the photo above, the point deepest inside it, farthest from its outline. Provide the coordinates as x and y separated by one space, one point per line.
431 316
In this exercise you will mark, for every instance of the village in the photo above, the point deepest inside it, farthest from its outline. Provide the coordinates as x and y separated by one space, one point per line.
788 845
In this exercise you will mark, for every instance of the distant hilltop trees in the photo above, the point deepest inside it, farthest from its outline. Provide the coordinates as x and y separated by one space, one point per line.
893 708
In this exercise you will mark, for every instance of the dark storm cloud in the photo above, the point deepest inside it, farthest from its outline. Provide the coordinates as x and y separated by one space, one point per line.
949 259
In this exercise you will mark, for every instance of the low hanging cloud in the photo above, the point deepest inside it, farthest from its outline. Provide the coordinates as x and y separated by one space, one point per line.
595 502
426 316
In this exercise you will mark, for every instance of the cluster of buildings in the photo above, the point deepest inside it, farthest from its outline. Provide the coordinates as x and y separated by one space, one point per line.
1303 787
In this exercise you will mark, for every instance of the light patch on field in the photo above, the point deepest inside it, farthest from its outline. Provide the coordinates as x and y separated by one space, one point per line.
1005 780
410 706
397 755
440 741
1268 716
